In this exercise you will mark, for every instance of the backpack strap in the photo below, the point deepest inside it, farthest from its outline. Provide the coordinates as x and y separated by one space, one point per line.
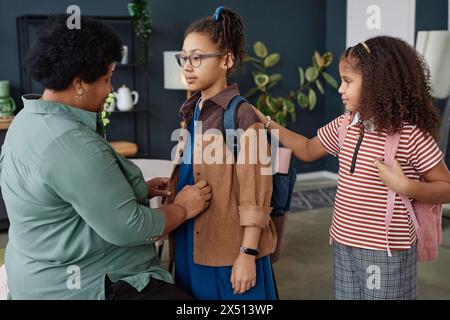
229 124
411 211
390 150
343 128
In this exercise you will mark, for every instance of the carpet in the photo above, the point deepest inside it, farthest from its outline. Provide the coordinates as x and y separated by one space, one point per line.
313 199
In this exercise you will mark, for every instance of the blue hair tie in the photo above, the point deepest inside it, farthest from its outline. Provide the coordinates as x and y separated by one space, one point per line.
217 13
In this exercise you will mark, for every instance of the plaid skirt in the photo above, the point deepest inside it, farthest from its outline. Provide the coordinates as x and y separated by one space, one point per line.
364 274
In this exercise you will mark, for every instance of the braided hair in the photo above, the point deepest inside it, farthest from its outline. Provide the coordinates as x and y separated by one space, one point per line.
395 85
225 29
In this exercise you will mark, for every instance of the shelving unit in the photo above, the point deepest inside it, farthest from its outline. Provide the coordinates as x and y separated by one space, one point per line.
5 122
130 126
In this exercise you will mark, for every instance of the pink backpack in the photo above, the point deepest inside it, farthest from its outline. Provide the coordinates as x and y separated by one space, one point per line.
427 218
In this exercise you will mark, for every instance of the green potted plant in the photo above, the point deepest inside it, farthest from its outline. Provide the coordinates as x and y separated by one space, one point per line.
140 18
108 107
310 80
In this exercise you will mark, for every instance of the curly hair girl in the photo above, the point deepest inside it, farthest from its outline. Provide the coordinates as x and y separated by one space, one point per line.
395 85
386 87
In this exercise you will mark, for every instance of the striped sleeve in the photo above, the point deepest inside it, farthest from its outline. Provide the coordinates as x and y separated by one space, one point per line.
329 136
423 151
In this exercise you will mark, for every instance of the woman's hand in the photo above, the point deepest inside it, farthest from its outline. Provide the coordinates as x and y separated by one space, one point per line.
243 273
158 187
194 199
392 176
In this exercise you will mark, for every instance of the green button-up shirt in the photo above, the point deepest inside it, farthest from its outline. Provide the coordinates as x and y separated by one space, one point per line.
78 210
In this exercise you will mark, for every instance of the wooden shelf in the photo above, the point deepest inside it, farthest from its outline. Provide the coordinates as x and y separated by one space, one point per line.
5 122
125 148
130 111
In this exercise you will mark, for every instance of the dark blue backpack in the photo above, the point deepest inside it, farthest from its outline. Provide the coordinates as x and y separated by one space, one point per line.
283 184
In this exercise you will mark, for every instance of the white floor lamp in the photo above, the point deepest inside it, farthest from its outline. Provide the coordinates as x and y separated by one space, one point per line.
435 48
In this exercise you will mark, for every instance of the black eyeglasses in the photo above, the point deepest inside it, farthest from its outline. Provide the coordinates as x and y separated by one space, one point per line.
195 59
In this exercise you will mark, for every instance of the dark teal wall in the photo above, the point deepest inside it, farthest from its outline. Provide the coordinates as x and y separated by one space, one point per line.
294 28
336 18
431 14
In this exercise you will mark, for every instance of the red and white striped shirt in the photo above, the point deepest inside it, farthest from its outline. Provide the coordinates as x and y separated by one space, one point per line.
361 197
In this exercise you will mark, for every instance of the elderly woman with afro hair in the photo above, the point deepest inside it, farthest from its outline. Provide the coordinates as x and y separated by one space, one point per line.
80 224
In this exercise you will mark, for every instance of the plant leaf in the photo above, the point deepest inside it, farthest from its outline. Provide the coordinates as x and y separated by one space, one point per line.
293 115
271 103
315 65
251 92
331 81
327 59
248 58
255 72
311 74
261 80
281 119
258 66
275 77
312 98
288 105
271 60
279 102
260 49
132 9
319 59
261 105
302 100
301 74
260 102
319 86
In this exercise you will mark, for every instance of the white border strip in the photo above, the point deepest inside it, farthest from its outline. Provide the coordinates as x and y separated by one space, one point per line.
317 175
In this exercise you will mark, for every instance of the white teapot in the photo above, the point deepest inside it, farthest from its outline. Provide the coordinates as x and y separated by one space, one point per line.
124 98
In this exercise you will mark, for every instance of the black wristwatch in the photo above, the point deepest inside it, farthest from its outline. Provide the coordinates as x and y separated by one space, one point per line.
249 251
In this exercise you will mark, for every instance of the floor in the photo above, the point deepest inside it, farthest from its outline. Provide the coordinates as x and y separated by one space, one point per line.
304 270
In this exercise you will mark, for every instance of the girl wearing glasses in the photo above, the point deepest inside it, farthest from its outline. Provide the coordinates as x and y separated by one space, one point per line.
224 253
385 86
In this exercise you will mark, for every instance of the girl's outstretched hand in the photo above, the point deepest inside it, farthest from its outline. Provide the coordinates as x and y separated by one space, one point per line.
243 273
392 176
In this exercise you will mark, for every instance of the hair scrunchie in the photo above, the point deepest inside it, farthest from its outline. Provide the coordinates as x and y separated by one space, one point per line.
217 13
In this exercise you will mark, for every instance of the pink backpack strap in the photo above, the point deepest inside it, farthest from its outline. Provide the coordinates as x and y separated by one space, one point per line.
390 150
348 117
411 212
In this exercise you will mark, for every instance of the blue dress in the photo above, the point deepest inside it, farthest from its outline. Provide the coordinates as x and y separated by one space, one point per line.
204 282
